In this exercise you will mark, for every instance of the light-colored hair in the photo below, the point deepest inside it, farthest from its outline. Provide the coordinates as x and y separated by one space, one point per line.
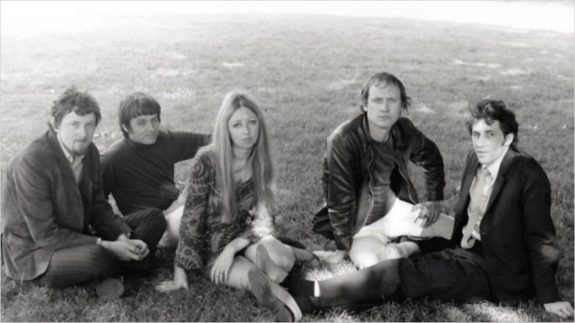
383 79
259 159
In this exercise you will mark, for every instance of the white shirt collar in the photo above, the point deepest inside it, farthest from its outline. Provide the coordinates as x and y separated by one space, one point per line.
495 165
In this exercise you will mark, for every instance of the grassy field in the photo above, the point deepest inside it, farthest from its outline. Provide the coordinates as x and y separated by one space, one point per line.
306 71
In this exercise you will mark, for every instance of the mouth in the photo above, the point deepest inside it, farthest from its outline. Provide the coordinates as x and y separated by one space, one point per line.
482 154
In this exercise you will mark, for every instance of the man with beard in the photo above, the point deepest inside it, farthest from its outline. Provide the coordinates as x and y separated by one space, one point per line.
57 227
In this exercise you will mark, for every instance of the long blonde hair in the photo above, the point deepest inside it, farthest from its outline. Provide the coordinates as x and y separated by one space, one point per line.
260 159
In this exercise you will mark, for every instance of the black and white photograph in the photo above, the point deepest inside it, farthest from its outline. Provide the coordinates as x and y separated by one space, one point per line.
314 161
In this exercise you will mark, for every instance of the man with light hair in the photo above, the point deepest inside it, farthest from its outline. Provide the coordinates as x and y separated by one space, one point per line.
503 246
371 202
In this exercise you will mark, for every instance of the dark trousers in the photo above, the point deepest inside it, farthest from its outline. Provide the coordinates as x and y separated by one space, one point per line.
450 274
92 263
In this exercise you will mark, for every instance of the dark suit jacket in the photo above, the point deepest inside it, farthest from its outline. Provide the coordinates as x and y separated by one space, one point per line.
517 233
44 209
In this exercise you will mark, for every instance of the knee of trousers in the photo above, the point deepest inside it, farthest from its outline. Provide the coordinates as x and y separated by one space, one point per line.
99 259
155 221
157 218
94 263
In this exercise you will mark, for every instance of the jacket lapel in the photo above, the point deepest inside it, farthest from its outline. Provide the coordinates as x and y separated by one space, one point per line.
85 188
85 183
500 180
60 158
468 179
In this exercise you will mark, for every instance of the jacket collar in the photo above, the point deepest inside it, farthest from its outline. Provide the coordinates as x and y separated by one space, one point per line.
56 147
499 180
501 176
58 152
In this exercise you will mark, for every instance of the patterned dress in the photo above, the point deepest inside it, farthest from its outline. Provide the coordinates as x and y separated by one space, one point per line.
203 231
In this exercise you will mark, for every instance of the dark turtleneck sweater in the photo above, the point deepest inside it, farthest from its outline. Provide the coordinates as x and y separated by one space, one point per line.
142 176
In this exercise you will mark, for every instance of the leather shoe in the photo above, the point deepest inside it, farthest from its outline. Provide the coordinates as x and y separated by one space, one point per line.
110 288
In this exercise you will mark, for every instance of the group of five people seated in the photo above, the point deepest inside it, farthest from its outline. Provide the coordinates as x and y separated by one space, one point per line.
59 229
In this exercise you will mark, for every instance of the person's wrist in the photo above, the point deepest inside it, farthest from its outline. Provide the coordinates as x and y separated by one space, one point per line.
104 244
124 236
99 241
230 249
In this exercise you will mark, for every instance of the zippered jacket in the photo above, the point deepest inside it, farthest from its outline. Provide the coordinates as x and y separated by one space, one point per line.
348 165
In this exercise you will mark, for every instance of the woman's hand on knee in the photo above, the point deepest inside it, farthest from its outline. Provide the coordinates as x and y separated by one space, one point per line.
221 268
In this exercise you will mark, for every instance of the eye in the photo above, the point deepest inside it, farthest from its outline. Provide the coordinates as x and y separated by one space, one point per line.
253 121
475 135
141 122
236 125
377 100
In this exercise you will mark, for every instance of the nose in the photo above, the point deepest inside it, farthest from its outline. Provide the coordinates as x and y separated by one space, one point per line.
149 126
246 129
385 106
81 132
479 141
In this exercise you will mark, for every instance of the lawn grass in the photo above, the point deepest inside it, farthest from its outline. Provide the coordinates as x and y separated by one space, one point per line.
306 72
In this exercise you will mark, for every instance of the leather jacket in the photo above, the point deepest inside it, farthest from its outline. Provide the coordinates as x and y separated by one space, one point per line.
347 165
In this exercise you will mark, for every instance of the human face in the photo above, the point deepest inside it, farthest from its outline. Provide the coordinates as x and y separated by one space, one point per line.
488 141
244 128
144 129
76 132
383 107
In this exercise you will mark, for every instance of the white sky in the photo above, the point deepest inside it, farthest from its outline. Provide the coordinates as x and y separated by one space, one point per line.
39 17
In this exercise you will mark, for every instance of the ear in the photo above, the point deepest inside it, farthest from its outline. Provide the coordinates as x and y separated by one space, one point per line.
508 139
125 128
53 124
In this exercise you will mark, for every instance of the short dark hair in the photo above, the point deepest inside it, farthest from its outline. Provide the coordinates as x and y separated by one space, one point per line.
72 100
135 105
384 78
494 110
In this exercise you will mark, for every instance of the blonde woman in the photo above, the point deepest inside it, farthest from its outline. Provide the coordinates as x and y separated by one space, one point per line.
227 231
